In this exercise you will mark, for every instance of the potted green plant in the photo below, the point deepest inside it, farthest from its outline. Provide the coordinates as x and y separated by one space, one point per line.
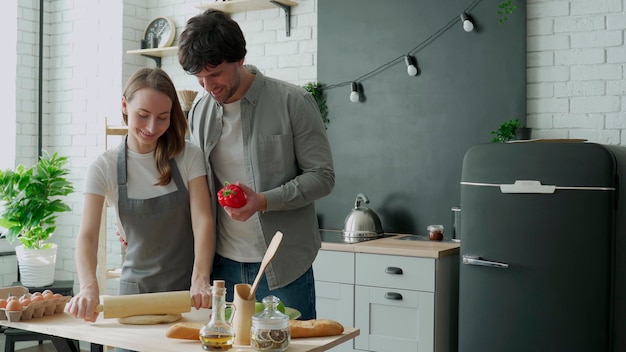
31 201
316 90
505 8
510 130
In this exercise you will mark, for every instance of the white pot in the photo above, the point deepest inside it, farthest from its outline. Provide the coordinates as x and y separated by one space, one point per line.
36 265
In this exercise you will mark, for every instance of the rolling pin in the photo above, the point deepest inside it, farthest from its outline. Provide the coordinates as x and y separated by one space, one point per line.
145 304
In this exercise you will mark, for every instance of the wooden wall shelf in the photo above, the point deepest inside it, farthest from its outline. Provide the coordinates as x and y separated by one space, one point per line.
232 6
156 54
116 130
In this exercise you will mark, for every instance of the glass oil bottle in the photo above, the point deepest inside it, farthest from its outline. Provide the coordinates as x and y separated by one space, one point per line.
218 334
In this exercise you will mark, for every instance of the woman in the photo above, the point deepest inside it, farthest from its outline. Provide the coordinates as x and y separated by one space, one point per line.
156 182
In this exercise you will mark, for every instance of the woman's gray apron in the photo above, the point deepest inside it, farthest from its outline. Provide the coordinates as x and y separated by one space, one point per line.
160 254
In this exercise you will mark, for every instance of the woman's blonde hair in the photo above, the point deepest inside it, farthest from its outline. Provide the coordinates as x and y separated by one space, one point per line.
172 142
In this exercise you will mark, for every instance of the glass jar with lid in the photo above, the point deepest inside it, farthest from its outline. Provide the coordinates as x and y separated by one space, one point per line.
435 232
270 328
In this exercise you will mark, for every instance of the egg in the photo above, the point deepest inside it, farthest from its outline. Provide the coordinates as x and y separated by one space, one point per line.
36 298
14 306
25 302
12 298
3 303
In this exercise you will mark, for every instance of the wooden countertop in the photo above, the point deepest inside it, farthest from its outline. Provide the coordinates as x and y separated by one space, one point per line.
392 245
109 332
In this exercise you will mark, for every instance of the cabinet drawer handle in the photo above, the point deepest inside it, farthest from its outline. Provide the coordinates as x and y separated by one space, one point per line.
393 295
393 270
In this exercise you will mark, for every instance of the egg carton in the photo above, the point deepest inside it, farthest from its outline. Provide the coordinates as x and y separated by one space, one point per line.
37 309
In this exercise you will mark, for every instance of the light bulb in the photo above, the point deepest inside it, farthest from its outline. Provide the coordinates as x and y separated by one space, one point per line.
410 67
468 26
354 94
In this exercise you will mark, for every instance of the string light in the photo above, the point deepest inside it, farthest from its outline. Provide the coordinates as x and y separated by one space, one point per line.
468 26
411 69
354 94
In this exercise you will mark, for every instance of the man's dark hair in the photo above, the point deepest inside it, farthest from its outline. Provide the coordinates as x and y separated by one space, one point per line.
208 40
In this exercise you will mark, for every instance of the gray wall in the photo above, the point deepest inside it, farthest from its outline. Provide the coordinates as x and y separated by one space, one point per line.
404 143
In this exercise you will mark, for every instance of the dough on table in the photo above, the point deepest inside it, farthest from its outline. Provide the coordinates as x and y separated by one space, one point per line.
150 319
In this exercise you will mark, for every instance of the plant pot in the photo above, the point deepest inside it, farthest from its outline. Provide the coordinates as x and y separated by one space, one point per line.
36 265
522 133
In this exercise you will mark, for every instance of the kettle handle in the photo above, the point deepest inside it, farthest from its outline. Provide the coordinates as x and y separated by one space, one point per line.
360 198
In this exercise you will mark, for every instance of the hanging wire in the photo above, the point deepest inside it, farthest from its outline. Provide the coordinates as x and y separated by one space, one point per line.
450 23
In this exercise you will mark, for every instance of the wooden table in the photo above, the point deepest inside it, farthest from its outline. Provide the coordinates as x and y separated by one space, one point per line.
109 332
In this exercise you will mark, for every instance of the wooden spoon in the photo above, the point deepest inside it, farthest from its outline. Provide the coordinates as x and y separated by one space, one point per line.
267 258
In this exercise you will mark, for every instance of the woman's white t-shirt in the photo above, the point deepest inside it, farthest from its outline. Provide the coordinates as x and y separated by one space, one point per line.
142 175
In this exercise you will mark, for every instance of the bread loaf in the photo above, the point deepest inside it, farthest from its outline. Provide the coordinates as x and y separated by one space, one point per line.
187 330
314 328
299 328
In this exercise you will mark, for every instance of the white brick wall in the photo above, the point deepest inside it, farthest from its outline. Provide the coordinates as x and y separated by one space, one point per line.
576 60
26 82
8 96
8 270
575 66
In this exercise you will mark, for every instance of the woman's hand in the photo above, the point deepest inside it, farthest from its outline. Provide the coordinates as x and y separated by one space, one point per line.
201 295
122 240
83 305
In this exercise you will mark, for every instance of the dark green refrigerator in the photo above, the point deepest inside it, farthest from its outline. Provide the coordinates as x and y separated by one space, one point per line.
541 251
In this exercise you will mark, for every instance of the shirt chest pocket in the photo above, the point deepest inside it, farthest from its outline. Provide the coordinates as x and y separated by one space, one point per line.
276 154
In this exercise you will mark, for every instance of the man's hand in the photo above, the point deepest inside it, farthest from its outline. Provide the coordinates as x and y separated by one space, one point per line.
255 202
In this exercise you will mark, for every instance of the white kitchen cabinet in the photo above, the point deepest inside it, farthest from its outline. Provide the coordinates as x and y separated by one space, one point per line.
394 319
394 302
411 273
406 303
399 302
334 290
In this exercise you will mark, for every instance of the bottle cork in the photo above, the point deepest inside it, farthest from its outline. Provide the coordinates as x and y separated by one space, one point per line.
219 283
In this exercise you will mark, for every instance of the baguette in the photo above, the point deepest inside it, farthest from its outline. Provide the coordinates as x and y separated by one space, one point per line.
314 328
299 328
186 330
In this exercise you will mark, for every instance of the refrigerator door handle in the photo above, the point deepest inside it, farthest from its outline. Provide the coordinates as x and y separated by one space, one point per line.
527 186
475 260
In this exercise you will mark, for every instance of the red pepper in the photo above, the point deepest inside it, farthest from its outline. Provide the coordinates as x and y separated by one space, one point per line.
231 196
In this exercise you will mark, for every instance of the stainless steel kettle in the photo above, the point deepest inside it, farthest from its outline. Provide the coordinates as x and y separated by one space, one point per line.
362 221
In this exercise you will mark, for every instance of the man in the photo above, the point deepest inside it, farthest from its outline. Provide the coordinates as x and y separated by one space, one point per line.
268 136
